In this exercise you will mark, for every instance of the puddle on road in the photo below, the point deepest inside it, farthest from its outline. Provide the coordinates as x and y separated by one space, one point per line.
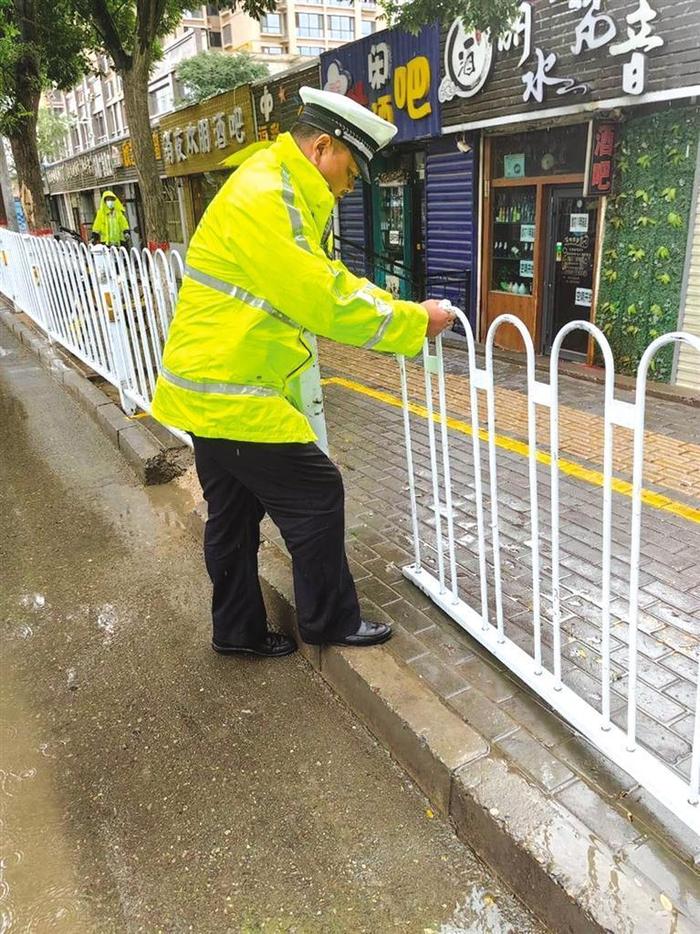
40 883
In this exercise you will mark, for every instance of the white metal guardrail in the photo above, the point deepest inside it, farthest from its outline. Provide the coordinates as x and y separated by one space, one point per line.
438 576
112 309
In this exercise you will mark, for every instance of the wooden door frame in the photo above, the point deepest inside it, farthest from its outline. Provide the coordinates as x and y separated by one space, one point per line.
540 183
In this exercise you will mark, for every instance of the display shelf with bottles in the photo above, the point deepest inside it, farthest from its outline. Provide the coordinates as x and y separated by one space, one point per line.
513 241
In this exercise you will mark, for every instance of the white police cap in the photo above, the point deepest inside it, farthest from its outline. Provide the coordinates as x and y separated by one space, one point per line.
362 131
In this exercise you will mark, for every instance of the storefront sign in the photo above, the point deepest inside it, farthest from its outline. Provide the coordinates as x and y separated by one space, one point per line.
127 150
558 52
599 161
198 138
276 100
395 74
112 164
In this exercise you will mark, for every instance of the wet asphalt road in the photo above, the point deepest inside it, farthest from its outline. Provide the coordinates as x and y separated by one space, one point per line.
147 784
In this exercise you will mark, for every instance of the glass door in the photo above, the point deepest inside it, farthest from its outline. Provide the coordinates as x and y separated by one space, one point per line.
393 227
570 261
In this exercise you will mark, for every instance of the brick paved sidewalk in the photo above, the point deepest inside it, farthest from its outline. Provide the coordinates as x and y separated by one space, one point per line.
367 443
672 445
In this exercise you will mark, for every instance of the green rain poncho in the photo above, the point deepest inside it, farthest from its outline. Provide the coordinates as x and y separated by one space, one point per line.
111 226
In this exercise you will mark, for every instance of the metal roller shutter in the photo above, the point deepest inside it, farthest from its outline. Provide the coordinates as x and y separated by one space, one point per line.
449 186
688 372
354 246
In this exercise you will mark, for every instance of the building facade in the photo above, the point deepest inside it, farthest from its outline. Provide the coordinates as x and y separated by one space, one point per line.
298 28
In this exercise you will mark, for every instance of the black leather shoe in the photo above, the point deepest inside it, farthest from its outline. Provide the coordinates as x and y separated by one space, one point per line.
274 645
367 634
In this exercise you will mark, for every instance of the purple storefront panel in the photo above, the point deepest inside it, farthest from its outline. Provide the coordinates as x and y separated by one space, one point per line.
393 73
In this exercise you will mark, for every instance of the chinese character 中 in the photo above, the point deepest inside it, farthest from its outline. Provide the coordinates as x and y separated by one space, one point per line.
522 26
379 65
204 135
595 30
178 141
219 130
168 149
535 81
192 144
236 128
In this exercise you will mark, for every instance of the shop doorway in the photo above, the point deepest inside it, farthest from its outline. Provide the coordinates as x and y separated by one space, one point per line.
570 248
399 224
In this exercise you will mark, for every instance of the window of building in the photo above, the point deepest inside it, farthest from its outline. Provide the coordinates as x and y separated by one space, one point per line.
340 2
311 50
214 39
340 27
369 3
368 27
98 126
271 23
212 10
109 89
310 25
110 121
271 49
226 36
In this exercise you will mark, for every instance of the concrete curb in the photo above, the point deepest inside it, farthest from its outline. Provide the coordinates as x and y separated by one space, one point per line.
152 460
544 853
588 374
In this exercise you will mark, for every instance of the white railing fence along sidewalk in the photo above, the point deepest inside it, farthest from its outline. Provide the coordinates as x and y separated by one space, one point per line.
436 569
112 309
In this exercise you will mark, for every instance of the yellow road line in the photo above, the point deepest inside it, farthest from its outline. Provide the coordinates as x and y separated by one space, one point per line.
570 468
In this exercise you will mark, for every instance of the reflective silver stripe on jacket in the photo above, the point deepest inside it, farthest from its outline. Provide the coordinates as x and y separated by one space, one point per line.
235 291
224 389
293 211
384 309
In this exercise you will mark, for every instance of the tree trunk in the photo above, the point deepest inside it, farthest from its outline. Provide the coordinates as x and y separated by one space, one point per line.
6 188
135 79
31 187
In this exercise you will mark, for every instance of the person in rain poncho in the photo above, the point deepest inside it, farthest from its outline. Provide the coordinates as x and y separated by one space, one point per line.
110 226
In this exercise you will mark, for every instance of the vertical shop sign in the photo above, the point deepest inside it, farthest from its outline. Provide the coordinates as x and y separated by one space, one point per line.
599 160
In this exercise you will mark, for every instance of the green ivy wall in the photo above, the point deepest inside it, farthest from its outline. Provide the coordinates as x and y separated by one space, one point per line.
646 229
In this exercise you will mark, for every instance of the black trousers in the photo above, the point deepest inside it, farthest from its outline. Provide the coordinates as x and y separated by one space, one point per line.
302 491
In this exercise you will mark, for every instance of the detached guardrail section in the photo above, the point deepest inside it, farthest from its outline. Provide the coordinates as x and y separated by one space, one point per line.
442 566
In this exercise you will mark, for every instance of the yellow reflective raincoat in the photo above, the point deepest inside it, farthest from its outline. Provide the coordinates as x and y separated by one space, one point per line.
257 280
110 225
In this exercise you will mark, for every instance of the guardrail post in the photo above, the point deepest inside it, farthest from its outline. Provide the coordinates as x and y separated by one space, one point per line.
111 304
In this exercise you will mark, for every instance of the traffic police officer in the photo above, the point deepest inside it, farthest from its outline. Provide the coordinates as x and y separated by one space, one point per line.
258 278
